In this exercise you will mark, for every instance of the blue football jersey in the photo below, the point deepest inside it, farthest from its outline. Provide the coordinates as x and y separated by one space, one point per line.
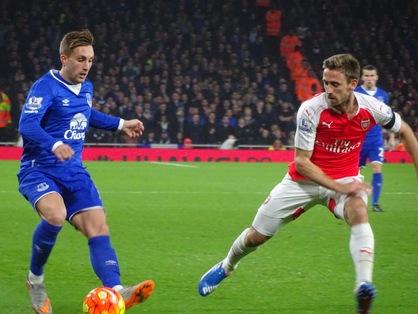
58 111
375 134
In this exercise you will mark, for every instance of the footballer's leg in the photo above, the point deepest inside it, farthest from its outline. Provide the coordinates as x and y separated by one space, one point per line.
376 157
377 183
104 259
86 212
265 225
248 241
362 250
213 277
44 239
52 210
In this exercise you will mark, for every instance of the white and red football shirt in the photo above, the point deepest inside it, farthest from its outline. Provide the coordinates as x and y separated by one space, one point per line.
335 140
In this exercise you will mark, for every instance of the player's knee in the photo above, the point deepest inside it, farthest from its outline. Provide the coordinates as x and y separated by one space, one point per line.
98 230
94 230
255 238
376 167
356 213
51 208
91 223
54 217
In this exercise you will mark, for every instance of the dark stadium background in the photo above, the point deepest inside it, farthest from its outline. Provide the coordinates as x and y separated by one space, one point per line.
216 53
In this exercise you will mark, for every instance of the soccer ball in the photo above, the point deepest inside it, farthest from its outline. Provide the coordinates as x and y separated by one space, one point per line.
103 300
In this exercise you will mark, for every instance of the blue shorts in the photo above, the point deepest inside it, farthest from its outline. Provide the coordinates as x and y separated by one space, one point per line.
74 184
372 152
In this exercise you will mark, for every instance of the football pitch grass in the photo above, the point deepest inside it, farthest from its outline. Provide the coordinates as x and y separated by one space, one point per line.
171 222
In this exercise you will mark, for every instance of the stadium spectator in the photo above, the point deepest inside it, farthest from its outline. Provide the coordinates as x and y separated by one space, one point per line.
174 104
233 115
5 117
180 121
164 138
187 143
195 129
249 118
126 108
211 129
265 137
273 24
259 114
148 121
270 114
278 133
164 126
225 129
283 93
277 145
245 133
288 44
149 138
286 117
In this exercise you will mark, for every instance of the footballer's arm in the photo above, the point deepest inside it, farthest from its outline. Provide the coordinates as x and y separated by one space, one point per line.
408 139
308 169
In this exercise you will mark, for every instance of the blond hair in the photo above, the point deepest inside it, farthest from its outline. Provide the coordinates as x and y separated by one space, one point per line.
75 39
344 63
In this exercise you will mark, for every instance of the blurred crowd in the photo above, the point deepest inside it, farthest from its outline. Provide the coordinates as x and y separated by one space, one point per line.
210 71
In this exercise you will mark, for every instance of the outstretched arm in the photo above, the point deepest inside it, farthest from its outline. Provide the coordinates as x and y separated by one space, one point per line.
410 143
132 128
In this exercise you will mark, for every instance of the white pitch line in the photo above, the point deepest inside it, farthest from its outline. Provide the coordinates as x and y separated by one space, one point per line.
171 164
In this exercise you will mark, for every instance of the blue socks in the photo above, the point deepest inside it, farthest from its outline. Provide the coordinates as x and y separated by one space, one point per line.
43 241
102 255
104 261
377 182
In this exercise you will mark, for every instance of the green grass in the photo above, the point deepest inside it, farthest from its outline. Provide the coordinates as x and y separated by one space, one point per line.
172 222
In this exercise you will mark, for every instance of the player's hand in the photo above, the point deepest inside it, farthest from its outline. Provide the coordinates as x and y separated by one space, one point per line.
133 128
64 152
355 187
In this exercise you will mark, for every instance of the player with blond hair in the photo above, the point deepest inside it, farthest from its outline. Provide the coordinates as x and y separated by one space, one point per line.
53 124
331 128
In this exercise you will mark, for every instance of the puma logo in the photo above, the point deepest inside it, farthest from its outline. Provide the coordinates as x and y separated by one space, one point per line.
327 124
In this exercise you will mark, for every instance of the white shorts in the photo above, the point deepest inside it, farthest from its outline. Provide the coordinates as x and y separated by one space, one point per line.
289 199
